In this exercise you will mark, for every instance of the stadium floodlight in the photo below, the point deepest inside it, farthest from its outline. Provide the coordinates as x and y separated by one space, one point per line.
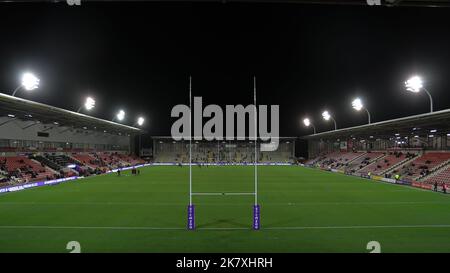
415 85
140 121
89 104
358 105
308 123
120 115
326 116
29 82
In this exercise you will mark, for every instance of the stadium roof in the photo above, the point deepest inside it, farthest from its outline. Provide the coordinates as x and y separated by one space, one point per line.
29 110
422 125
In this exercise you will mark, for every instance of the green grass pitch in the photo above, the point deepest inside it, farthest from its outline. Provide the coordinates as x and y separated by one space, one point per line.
302 210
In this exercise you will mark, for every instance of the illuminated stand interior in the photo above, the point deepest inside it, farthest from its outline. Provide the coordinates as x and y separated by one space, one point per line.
191 208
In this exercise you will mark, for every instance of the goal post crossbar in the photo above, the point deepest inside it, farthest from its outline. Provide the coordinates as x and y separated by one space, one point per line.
223 193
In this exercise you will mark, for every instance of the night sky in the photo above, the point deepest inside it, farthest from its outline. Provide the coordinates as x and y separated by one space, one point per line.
138 56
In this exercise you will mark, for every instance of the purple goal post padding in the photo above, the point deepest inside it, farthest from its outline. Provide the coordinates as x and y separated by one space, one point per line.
256 217
191 217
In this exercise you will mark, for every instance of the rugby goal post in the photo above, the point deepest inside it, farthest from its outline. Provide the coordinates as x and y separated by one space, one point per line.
191 207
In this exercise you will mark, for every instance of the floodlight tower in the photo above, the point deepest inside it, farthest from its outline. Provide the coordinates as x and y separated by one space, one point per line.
29 82
140 122
89 104
326 116
415 85
358 105
308 123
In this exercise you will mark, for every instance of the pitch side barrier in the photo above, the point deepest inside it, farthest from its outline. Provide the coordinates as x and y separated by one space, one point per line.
37 184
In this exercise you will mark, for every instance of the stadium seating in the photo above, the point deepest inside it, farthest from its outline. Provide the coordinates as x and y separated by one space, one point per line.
422 166
61 160
25 168
441 176
88 160
223 152
360 163
17 169
19 162
335 159
46 161
116 160
384 163
342 159
408 164
128 159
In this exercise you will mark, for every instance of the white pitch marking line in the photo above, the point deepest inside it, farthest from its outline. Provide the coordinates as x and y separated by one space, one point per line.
235 204
223 193
358 227
88 227
225 228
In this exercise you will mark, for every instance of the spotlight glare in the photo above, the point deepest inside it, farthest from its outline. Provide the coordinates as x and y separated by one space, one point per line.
89 104
414 84
326 115
307 122
121 115
140 121
357 104
30 81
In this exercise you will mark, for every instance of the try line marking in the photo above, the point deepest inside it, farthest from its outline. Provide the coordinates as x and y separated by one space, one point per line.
225 228
221 204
